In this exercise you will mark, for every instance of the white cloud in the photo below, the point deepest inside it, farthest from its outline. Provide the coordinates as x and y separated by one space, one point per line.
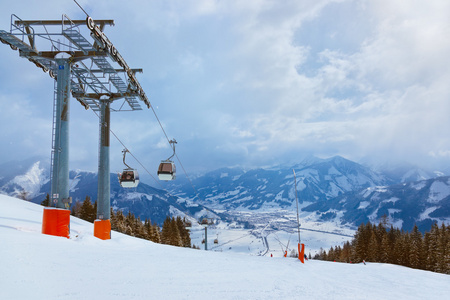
256 82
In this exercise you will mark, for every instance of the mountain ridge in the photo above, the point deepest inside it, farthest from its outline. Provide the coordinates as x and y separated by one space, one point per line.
323 185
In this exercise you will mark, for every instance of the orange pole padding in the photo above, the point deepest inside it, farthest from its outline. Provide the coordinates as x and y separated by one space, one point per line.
102 229
56 221
301 252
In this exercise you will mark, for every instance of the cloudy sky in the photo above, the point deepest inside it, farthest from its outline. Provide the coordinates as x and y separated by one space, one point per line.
252 83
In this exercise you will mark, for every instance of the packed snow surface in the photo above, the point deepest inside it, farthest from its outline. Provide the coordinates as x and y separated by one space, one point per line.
37 266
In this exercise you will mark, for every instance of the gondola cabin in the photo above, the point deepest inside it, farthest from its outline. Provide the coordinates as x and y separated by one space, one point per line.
188 225
129 178
167 170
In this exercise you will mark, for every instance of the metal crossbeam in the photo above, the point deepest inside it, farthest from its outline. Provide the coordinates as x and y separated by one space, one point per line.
104 66
59 22
84 81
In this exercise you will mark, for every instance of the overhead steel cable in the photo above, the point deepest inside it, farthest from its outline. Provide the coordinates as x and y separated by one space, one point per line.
168 140
137 160
148 172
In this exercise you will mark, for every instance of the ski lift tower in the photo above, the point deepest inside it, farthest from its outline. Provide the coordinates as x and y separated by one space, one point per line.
83 62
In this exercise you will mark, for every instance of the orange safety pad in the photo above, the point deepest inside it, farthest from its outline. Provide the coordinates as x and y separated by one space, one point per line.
102 229
301 252
56 221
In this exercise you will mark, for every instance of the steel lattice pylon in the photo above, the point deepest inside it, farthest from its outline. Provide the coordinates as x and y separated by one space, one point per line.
93 72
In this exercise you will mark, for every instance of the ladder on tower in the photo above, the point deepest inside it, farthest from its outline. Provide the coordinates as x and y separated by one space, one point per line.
54 147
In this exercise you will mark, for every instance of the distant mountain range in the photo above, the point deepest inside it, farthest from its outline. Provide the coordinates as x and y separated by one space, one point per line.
330 189
30 180
334 188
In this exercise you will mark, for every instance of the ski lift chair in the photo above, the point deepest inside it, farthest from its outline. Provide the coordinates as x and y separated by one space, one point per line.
129 178
167 170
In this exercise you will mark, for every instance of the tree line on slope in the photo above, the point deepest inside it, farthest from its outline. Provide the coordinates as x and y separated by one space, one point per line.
372 243
173 231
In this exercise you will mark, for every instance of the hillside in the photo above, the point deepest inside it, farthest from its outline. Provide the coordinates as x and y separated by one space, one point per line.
36 266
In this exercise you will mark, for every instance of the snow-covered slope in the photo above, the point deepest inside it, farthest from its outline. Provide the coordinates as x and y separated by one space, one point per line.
37 266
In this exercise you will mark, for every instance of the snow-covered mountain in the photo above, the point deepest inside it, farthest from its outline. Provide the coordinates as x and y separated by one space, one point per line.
399 172
31 182
24 179
317 179
421 202
332 192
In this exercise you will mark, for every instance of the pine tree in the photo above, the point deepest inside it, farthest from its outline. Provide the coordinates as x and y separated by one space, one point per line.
120 225
175 237
113 219
130 224
426 250
75 210
415 253
441 266
373 248
147 229
46 201
447 258
184 233
156 236
330 255
166 232
345 253
432 255
138 227
87 210
393 236
361 242
405 250
385 249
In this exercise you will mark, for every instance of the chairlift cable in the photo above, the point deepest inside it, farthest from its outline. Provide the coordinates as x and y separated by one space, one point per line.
137 160
184 170
143 167
125 147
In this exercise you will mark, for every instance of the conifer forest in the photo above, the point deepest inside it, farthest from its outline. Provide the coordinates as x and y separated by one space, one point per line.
372 243
173 231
